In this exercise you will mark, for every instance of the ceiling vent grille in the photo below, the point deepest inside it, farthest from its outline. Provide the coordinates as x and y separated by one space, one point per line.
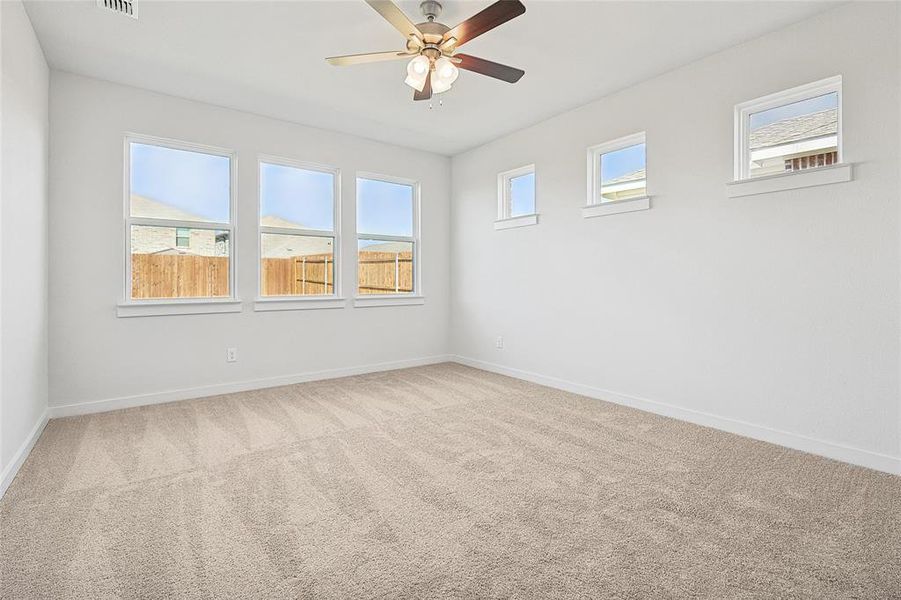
129 8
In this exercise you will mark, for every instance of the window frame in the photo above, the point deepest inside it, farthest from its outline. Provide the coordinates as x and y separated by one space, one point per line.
505 202
595 206
744 110
141 307
416 296
311 301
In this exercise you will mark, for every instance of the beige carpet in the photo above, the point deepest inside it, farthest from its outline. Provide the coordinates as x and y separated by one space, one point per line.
435 482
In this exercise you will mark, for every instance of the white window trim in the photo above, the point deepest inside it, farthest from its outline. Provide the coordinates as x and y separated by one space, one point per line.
277 303
504 220
388 300
794 180
520 221
595 206
186 306
300 302
131 307
743 112
416 296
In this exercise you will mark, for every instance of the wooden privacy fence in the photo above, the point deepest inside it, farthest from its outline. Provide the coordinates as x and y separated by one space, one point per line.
178 276
298 276
385 272
186 276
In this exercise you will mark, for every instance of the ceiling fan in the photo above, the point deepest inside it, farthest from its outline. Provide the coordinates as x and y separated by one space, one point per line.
434 65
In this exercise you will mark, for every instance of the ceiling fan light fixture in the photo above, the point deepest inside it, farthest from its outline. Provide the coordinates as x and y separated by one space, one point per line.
417 71
444 76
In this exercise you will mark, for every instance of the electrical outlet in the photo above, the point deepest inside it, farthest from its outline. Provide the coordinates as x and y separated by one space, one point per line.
231 355
499 342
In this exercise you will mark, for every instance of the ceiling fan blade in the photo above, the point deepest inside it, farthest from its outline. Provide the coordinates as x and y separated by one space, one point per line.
394 15
359 59
426 92
497 14
491 69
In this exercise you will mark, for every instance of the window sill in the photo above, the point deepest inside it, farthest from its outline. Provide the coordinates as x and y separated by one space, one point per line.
790 181
523 221
298 303
388 300
160 308
615 207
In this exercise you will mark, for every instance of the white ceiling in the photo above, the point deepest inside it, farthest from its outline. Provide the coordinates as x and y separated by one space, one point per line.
268 57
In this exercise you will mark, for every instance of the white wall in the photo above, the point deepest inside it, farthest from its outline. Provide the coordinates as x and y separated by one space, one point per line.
23 219
96 356
774 315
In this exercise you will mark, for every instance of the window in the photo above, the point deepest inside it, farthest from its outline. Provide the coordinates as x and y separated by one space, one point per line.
617 176
387 236
516 198
298 230
183 237
794 130
180 232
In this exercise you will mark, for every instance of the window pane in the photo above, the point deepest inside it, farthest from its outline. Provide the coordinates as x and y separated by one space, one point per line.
795 136
384 208
162 269
296 198
623 173
522 195
385 267
297 265
178 184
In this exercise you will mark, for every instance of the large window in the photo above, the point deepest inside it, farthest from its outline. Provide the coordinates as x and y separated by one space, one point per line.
387 236
298 230
180 232
794 130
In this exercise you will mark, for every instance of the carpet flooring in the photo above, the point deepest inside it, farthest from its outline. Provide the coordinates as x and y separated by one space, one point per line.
435 482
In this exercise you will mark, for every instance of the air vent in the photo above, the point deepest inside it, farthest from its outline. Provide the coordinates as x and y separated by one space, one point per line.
129 8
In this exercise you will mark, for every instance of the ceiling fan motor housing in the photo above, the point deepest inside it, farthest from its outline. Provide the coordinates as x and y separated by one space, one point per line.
431 9
432 34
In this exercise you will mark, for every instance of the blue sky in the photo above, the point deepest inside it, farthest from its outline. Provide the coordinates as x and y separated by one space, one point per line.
194 182
384 208
298 195
804 107
621 162
522 195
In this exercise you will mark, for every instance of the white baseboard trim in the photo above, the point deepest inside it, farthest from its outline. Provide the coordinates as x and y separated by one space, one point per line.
85 408
18 459
840 452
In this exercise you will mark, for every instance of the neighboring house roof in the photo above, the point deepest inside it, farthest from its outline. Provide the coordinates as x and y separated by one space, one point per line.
387 247
274 221
796 129
147 207
286 246
633 176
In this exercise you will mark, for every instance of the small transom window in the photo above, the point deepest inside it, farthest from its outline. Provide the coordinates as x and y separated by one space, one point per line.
793 130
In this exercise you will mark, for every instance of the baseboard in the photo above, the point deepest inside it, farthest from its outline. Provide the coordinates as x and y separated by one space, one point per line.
840 452
97 406
10 471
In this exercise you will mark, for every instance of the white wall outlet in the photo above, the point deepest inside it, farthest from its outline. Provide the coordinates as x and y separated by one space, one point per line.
231 355
499 342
